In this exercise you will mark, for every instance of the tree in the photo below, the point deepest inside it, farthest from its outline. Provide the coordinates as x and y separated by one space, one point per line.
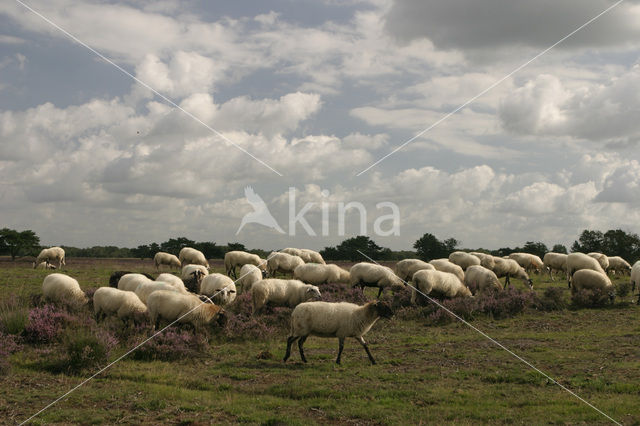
588 241
236 246
174 245
559 248
210 249
537 248
616 242
18 243
429 247
359 248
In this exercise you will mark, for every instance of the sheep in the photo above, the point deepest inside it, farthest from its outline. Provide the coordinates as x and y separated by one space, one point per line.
444 284
578 261
292 251
486 260
366 274
463 259
311 256
281 292
125 304
555 262
635 278
115 277
145 289
61 288
509 268
602 259
619 265
481 279
530 262
232 259
129 282
45 265
191 256
162 258
192 276
445 266
339 320
405 268
316 274
176 282
590 279
219 287
183 308
50 255
249 275
282 262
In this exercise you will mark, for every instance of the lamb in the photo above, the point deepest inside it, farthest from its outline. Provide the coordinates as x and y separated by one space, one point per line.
555 262
219 287
444 284
509 268
366 274
602 259
176 282
232 259
463 259
592 280
61 288
129 282
50 255
249 275
183 308
578 261
125 304
486 260
115 277
281 292
316 274
445 266
481 278
405 268
162 258
530 262
339 320
144 289
282 262
619 265
45 265
192 256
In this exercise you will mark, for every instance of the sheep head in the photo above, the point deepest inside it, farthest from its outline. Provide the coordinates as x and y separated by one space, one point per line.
313 292
383 310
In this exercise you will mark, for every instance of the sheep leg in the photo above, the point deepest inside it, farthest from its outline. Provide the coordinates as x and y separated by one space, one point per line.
379 292
506 282
300 343
290 341
366 348
340 348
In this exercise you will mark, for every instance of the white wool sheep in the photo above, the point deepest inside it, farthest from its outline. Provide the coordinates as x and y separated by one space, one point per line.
146 288
592 280
162 258
191 256
316 274
292 251
192 276
530 262
619 265
249 275
463 259
176 282
634 279
486 260
366 274
602 259
405 268
509 268
445 266
282 262
311 256
339 320
443 284
61 288
481 278
233 259
183 308
129 282
219 287
45 265
555 262
281 292
50 255
125 304
579 261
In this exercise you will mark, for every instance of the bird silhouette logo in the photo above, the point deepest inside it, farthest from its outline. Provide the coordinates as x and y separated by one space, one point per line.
260 213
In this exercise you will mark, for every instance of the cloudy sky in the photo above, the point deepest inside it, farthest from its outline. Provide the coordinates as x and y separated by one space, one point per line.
318 91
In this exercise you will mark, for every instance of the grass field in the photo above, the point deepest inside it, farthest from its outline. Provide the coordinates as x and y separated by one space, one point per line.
425 373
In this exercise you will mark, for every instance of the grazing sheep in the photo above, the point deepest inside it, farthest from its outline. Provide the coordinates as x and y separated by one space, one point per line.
339 320
191 256
445 266
50 255
311 256
618 265
145 289
592 280
602 259
115 277
219 287
486 260
366 274
292 251
635 278
282 262
45 265
509 268
530 262
129 282
125 304
555 262
316 274
405 268
192 276
61 288
249 275
162 258
463 259
281 292
443 284
578 261
481 279
232 259
176 282
183 308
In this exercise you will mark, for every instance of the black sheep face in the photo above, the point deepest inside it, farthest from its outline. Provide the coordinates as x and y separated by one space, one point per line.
383 310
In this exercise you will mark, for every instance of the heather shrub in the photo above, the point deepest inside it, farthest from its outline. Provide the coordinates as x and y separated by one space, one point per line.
401 299
86 349
463 307
505 303
13 317
552 299
45 324
338 292
8 345
623 289
585 298
171 344
242 324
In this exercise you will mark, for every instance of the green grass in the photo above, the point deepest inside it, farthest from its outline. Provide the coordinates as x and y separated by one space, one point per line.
425 374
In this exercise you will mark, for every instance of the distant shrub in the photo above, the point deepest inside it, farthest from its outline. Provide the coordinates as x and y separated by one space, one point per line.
86 349
13 317
8 345
172 344
505 303
585 298
45 324
552 299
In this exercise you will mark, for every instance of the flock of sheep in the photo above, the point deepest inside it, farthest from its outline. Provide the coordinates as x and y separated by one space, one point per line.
198 297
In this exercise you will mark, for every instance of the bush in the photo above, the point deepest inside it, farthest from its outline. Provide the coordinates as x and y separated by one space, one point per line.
172 344
8 345
242 324
86 348
623 289
505 303
45 324
552 299
337 292
585 298
13 317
